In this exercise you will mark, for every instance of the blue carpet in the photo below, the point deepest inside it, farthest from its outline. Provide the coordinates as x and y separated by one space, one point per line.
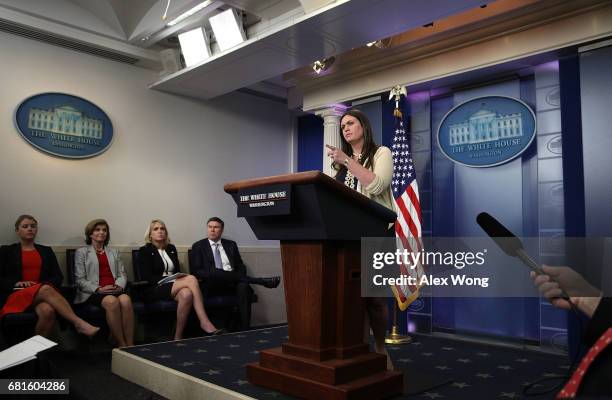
458 369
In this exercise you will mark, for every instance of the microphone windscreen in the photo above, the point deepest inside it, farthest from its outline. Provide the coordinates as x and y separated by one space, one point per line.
505 239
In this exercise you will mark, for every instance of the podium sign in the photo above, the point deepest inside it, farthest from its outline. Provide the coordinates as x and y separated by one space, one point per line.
265 200
326 356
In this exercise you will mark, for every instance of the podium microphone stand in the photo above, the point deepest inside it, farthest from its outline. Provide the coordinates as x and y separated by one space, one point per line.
395 337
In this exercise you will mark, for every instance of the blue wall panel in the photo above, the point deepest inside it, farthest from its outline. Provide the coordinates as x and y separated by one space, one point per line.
374 112
310 143
460 193
596 95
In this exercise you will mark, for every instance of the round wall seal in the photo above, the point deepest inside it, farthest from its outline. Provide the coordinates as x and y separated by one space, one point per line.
64 125
486 131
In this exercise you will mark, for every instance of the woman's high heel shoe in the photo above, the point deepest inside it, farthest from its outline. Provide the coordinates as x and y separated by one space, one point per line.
215 333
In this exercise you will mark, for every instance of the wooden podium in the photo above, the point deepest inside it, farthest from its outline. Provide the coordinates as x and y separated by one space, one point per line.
319 223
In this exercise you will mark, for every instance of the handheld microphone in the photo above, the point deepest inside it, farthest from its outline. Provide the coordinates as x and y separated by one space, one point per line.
506 240
510 244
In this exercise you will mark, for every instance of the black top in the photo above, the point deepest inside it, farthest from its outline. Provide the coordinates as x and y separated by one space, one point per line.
203 264
341 176
11 268
596 381
151 264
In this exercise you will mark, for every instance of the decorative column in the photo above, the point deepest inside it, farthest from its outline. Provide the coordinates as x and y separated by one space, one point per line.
331 133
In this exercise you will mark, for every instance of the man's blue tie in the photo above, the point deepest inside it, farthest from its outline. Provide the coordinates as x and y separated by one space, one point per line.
217 253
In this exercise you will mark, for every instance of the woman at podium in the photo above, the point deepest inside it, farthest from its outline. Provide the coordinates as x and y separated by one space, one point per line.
366 167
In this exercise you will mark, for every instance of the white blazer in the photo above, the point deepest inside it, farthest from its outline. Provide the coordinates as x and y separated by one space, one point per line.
87 271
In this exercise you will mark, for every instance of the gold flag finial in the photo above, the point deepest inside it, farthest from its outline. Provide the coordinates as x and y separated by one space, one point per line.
397 91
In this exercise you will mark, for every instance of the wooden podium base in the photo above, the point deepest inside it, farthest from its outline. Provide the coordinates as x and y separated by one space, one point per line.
361 377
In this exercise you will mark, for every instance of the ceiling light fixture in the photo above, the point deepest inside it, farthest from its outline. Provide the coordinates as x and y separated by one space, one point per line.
189 12
323 65
166 11
381 44
194 46
228 29
318 66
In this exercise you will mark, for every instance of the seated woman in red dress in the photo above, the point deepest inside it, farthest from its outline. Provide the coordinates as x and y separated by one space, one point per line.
29 276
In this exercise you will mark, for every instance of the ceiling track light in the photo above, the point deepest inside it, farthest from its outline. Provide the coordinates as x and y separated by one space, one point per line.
381 44
166 11
323 65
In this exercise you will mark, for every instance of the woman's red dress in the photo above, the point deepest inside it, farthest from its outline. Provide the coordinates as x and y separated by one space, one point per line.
21 299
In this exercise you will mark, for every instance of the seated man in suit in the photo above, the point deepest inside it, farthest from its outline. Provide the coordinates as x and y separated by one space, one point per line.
218 264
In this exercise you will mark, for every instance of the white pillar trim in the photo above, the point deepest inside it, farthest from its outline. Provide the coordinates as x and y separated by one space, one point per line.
331 133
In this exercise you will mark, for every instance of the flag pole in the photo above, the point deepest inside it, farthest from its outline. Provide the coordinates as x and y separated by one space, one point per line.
395 337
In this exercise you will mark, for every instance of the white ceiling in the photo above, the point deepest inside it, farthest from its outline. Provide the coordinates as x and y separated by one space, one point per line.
283 34
123 16
125 20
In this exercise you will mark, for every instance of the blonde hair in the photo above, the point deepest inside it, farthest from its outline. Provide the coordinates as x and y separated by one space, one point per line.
147 236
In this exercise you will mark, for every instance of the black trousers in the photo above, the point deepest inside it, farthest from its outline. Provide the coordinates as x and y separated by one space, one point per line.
244 294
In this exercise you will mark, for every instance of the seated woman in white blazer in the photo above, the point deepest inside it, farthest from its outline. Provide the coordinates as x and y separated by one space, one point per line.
100 277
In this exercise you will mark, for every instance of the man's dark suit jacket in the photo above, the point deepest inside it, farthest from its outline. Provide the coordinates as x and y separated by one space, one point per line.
151 264
203 264
11 268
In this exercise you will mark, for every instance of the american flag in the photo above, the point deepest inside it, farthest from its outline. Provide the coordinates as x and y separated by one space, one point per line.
408 225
